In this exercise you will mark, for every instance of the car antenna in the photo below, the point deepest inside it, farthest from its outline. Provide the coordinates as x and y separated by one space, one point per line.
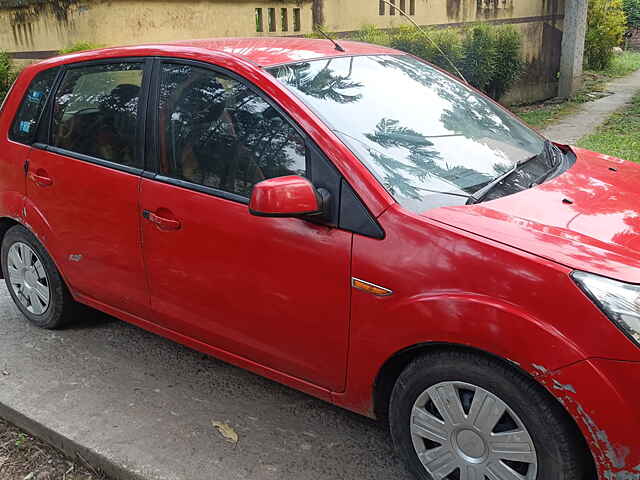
404 14
337 45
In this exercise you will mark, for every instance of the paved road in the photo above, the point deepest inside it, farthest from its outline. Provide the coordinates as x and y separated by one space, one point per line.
591 115
147 403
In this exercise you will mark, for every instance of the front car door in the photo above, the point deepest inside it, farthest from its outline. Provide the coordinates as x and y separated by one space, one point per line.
274 291
84 178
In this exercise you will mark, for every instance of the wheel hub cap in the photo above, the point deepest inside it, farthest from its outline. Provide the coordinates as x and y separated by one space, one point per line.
470 445
28 278
463 432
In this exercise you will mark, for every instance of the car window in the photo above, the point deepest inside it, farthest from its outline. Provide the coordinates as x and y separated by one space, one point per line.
95 112
216 132
25 123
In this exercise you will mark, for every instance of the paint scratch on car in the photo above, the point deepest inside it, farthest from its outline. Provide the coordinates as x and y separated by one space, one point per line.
559 386
610 458
540 368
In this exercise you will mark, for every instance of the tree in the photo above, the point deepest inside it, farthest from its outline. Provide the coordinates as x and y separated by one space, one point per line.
606 25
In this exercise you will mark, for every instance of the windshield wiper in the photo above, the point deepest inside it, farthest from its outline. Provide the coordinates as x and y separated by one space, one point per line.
488 188
549 153
552 159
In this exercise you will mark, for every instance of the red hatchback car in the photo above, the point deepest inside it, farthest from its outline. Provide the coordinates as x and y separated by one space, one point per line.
356 224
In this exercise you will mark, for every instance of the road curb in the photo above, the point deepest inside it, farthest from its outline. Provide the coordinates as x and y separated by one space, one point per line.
69 447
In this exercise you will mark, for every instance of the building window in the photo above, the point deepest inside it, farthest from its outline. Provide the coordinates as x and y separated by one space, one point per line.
381 8
284 19
392 10
272 19
259 20
403 5
412 7
296 20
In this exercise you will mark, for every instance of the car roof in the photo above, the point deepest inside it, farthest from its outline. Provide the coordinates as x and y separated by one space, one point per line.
267 51
260 51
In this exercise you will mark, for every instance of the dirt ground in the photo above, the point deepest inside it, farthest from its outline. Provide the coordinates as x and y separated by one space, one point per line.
23 457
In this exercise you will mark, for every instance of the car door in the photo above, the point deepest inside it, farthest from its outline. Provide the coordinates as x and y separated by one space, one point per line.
21 130
84 178
271 290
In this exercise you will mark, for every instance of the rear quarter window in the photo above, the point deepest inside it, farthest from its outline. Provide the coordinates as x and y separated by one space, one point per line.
25 124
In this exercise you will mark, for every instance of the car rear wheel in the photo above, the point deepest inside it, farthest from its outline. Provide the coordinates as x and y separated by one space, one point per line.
461 416
33 280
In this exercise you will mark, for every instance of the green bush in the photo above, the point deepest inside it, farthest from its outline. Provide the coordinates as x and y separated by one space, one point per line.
7 74
509 64
479 65
489 57
632 11
410 40
450 49
606 24
372 34
79 47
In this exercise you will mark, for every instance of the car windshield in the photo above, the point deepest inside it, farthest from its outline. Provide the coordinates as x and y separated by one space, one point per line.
430 140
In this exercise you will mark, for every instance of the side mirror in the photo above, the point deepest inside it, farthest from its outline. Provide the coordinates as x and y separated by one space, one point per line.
291 196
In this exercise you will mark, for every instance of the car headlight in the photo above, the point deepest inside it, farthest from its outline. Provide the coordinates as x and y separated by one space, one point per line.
618 300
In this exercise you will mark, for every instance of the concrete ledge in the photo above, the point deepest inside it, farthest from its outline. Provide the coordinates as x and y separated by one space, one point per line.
33 55
68 446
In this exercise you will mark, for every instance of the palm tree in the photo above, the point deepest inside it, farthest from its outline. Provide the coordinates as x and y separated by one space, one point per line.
324 85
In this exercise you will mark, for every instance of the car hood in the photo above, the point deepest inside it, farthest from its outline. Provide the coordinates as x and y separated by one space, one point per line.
588 218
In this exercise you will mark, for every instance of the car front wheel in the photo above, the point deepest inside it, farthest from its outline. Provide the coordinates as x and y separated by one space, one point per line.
461 416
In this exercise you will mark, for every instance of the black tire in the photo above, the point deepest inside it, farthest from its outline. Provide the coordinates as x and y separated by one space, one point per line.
558 444
61 305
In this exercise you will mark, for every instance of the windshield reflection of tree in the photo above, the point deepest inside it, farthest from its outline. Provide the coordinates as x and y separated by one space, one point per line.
421 167
468 114
326 84
418 163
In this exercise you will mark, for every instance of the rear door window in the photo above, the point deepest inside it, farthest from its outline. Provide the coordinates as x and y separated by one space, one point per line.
95 112
26 121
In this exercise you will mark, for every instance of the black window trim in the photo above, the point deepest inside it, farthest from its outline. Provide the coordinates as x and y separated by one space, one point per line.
43 112
43 137
152 167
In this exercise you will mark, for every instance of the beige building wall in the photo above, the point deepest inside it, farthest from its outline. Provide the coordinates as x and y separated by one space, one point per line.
121 22
347 14
38 28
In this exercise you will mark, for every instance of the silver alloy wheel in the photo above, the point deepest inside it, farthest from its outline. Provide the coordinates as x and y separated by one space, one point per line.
28 278
464 432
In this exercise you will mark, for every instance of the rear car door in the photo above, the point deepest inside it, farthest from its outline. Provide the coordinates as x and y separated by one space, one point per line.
272 290
21 135
84 178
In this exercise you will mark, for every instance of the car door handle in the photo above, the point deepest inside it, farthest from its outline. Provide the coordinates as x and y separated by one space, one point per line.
40 178
161 222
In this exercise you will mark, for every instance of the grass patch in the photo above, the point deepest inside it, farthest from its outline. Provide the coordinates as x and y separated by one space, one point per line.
543 114
539 116
622 65
620 135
